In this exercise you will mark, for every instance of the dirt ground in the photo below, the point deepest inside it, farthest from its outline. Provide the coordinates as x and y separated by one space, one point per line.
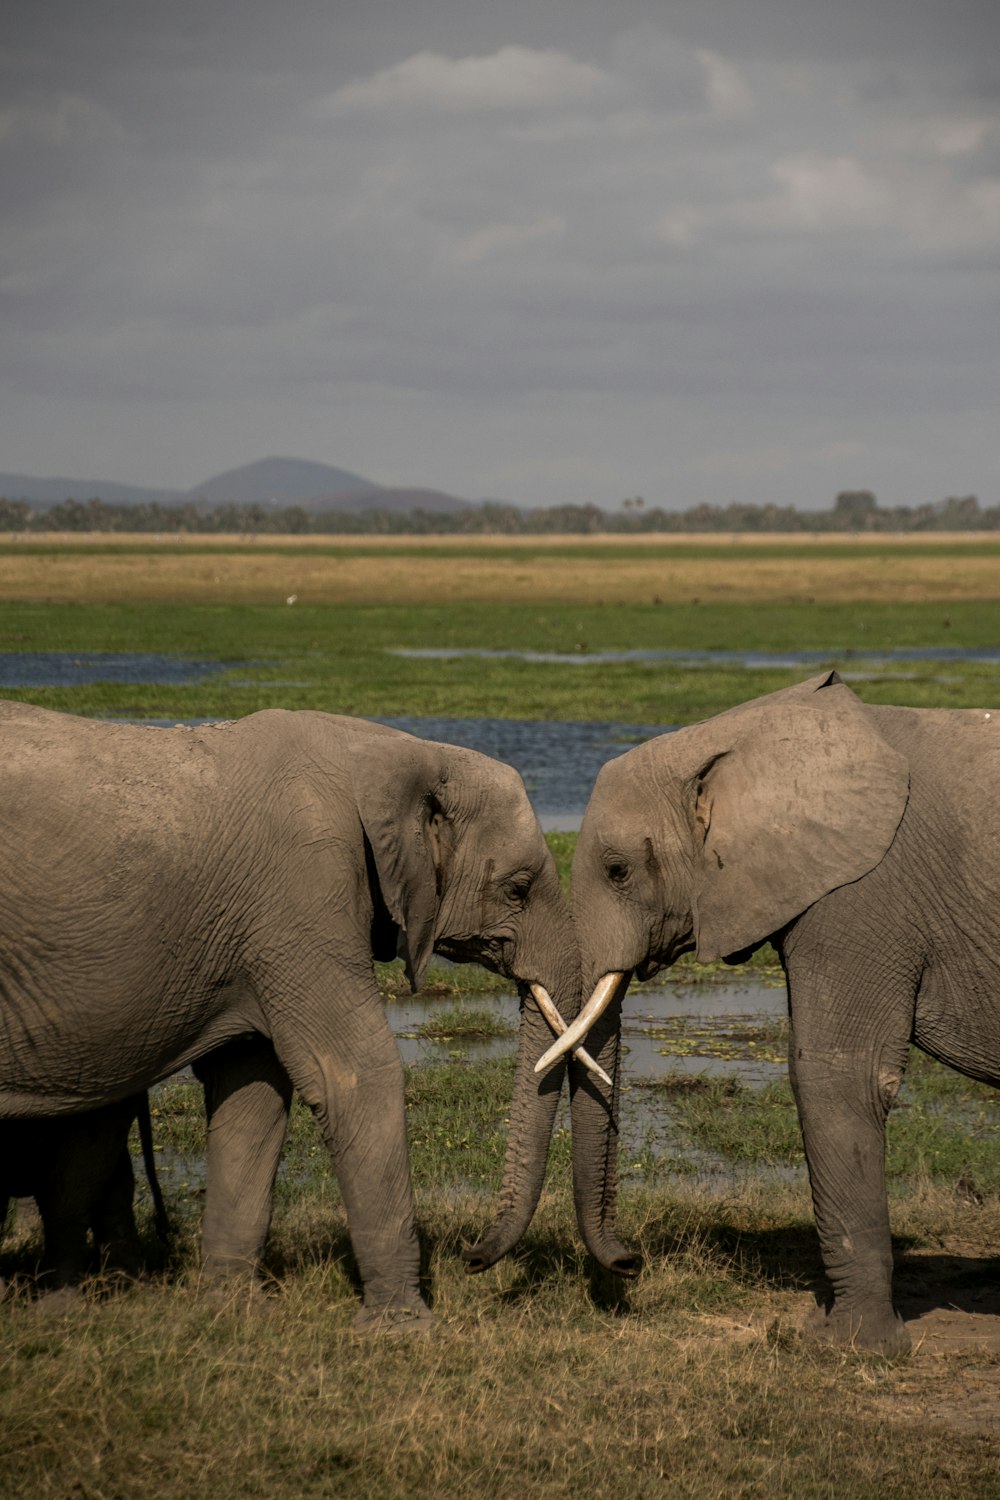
951 1306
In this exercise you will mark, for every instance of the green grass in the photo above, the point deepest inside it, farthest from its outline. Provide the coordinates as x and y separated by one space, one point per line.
944 1128
464 1023
339 658
614 549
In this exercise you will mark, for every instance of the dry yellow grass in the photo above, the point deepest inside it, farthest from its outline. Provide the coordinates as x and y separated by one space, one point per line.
742 570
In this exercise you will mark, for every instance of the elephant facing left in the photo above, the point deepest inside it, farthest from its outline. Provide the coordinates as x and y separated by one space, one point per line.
219 893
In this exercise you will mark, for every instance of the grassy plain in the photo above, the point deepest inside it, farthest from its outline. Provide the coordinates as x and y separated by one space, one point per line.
356 606
543 1378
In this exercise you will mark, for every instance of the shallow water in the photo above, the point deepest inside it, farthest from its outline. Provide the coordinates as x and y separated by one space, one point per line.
713 1030
33 669
716 1029
872 660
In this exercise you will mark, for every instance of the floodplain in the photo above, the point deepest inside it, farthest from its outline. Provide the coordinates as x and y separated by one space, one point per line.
543 1377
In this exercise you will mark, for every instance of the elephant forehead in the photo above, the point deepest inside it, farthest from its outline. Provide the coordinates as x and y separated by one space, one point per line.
638 782
513 835
494 798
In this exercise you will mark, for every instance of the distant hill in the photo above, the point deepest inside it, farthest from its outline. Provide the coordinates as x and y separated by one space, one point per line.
54 491
275 483
280 482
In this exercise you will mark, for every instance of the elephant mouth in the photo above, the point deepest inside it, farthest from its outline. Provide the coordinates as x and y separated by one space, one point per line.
475 950
662 954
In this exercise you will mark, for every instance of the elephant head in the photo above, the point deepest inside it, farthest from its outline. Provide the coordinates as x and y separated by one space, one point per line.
462 869
713 838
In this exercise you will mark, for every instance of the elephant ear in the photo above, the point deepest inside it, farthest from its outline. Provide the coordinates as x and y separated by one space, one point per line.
398 787
798 798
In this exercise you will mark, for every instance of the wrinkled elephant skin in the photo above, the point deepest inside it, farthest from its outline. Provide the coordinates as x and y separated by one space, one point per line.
219 893
865 843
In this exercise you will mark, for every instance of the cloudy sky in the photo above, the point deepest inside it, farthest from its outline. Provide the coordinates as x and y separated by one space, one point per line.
544 250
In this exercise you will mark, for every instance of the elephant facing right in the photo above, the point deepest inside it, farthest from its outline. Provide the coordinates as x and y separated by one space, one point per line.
864 842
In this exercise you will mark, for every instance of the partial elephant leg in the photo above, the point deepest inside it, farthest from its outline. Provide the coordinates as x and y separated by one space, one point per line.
113 1220
847 1059
65 1215
247 1099
80 1173
353 1082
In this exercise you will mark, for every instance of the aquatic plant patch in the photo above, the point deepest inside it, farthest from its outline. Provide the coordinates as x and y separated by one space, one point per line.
339 657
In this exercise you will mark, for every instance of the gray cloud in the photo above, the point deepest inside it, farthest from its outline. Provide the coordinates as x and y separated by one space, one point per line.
552 253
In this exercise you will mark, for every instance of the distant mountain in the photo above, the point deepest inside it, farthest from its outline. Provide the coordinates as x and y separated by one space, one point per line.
54 491
275 483
280 482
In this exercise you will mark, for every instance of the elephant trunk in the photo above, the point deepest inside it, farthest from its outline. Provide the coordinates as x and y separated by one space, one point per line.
594 1115
535 1099
532 1115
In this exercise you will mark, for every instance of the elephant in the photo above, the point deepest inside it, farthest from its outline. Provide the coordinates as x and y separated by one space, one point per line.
78 1169
216 895
864 843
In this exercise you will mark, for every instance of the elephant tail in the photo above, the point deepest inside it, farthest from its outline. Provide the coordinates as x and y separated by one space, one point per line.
145 1123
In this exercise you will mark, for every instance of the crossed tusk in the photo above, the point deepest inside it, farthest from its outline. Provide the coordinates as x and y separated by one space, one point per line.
543 1000
573 1034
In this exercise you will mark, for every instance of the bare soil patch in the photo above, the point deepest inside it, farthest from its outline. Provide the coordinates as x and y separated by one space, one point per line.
951 1381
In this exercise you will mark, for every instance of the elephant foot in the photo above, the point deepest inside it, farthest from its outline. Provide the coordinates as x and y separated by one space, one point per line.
873 1327
394 1320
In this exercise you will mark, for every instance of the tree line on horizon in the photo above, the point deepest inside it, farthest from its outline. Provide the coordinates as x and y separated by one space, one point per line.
852 510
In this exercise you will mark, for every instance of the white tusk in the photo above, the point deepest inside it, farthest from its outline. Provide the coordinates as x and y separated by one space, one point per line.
596 1006
544 1002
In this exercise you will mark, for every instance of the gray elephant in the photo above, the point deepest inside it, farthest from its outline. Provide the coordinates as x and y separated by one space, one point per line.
78 1169
865 843
239 878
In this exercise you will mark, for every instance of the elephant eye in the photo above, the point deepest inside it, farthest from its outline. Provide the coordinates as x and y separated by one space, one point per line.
617 870
518 889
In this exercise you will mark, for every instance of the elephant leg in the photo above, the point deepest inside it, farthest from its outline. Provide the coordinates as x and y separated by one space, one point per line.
847 1060
354 1085
65 1221
247 1099
113 1219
